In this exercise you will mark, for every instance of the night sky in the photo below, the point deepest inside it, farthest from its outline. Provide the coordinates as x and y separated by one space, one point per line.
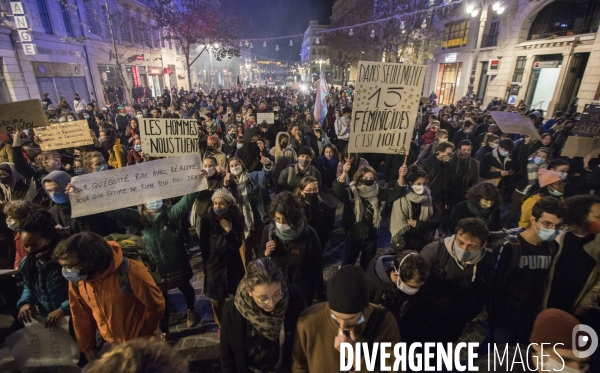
280 18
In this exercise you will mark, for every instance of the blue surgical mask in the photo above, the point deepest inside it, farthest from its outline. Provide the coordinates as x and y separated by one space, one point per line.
104 167
86 116
220 212
59 198
547 234
503 153
464 255
138 148
539 160
155 205
78 171
555 193
73 275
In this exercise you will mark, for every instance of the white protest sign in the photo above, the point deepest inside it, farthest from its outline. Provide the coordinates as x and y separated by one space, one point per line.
269 117
167 137
136 185
515 123
385 107
64 135
36 346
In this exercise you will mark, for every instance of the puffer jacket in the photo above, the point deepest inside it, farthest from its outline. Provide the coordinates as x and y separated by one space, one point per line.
119 316
50 290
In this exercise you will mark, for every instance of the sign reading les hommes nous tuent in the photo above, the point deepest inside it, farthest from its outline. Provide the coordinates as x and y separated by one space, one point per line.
385 106
167 137
137 184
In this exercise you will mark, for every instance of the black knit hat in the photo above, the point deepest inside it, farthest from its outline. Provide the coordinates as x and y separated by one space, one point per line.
305 150
347 290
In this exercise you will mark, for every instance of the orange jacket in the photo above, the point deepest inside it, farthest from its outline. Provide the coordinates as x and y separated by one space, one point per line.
118 315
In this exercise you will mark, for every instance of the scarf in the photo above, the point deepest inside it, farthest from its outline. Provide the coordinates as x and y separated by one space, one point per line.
134 157
268 325
290 234
370 194
481 213
243 203
329 164
402 210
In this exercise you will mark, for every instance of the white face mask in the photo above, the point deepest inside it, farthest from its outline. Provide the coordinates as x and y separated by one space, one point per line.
549 364
282 227
210 171
236 170
464 255
419 189
12 224
139 116
563 175
405 288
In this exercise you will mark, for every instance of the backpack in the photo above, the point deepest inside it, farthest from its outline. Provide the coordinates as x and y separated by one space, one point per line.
133 247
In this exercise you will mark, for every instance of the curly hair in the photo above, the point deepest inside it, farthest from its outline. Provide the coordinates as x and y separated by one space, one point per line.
261 271
414 173
413 267
549 205
474 228
87 161
286 204
93 252
485 190
578 209
19 209
44 157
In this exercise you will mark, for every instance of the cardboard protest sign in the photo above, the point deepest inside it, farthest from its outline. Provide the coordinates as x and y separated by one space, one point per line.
137 184
22 115
515 123
589 123
269 117
386 104
37 346
579 146
64 135
167 137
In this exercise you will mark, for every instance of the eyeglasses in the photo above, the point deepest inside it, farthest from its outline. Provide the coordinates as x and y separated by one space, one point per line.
264 300
548 225
70 268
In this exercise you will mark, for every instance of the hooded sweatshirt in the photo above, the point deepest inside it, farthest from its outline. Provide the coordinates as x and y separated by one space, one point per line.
276 149
249 154
118 315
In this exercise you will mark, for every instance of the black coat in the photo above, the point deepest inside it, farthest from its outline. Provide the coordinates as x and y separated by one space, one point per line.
100 223
440 180
301 260
223 267
234 334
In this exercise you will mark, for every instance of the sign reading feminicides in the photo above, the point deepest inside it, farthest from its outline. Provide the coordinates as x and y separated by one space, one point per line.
385 107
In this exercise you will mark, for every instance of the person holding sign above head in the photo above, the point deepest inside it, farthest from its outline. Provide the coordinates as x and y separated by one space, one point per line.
362 200
254 153
317 140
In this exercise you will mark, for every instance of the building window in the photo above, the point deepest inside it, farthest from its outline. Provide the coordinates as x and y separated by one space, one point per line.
456 34
44 16
124 28
566 18
92 23
519 69
66 19
491 38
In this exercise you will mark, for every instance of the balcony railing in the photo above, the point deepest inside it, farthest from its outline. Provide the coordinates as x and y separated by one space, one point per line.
560 33
489 40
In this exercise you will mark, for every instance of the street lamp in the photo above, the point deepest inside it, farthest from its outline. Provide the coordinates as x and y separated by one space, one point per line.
473 9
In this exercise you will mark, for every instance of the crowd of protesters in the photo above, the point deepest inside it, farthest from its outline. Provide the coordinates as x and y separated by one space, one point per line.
476 220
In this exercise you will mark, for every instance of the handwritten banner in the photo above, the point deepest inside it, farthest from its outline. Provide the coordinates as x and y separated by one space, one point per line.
166 137
64 135
136 185
22 115
268 117
589 123
579 146
385 107
515 123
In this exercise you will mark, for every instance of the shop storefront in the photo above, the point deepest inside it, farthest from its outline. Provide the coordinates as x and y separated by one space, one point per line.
156 80
542 82
448 80
61 79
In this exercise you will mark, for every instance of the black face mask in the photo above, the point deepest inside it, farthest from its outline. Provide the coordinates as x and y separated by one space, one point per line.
5 180
254 147
284 144
366 182
210 148
311 198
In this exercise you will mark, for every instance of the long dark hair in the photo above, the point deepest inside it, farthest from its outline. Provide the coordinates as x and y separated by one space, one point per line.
42 224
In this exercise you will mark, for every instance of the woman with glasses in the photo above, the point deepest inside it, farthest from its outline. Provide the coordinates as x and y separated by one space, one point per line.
294 246
259 322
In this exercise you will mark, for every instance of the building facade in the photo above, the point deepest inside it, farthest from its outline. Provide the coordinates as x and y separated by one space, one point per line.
74 51
313 51
544 53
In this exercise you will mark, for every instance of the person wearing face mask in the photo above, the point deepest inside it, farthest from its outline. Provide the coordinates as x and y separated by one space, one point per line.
480 139
282 141
440 179
355 161
550 185
318 214
317 140
362 200
221 236
526 177
93 267
441 136
413 220
328 164
576 291
79 104
518 289
291 176
55 184
132 130
15 212
294 246
553 348
259 321
12 187
342 129
254 153
490 142
136 155
465 170
248 190
45 290
394 281
465 133
483 202
496 167
344 318
460 270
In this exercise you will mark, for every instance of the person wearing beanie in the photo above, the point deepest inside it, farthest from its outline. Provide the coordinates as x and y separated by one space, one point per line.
518 288
551 184
221 236
549 348
289 179
343 319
